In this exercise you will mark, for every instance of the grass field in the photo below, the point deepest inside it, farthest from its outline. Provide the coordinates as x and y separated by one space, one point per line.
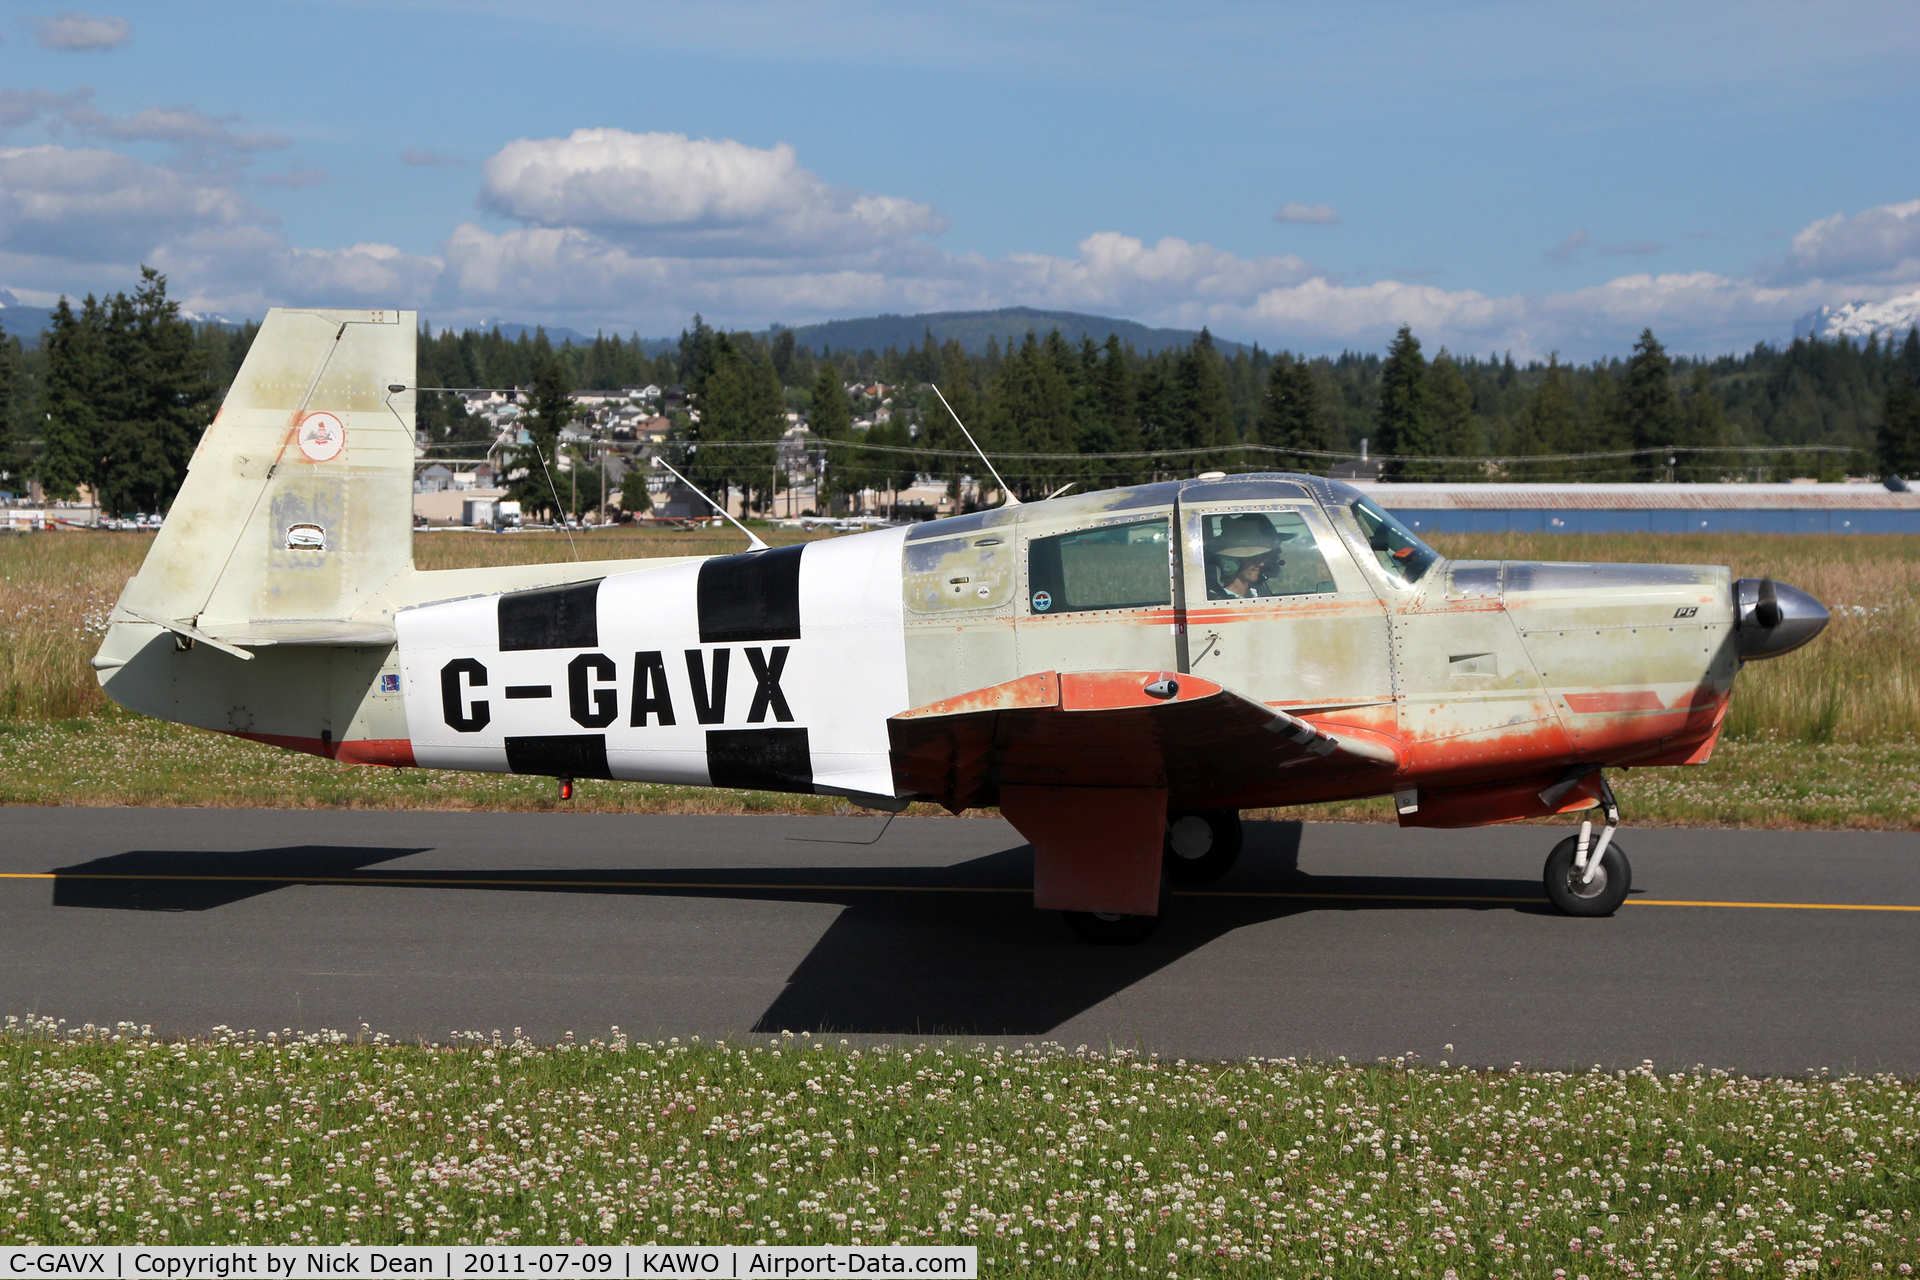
1048 1159
1829 736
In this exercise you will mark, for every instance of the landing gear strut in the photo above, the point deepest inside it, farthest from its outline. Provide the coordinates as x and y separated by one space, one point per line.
1589 877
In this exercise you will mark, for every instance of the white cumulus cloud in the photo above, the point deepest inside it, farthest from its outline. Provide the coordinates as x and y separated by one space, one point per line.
102 206
665 192
1881 244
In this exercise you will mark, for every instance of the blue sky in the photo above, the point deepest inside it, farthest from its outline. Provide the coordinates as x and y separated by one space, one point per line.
1525 177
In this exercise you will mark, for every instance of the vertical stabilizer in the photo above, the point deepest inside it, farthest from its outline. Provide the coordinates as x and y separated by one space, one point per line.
298 504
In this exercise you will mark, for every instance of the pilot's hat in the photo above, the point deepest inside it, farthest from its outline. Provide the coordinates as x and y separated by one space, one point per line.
1246 536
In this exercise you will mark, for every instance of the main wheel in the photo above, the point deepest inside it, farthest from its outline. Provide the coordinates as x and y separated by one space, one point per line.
1600 896
1202 846
1111 929
1105 929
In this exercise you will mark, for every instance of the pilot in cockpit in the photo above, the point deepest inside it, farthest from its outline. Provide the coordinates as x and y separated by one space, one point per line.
1244 552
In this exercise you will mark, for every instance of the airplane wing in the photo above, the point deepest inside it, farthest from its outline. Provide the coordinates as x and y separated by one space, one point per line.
1112 729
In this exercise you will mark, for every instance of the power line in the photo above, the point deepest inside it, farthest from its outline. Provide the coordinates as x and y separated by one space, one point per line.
1450 459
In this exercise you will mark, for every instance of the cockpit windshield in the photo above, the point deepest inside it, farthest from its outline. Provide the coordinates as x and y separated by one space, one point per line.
1399 552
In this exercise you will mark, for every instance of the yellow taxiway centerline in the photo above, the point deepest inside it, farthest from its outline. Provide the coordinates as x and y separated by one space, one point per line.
504 882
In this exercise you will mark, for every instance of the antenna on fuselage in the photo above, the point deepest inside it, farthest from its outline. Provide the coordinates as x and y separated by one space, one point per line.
1011 500
753 539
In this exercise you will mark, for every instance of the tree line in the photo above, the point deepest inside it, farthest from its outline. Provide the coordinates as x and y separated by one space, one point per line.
116 394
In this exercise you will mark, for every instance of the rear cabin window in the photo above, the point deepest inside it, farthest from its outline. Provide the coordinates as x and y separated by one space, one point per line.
1117 566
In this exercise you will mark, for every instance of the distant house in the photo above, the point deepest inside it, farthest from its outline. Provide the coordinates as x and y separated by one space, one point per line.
437 478
681 502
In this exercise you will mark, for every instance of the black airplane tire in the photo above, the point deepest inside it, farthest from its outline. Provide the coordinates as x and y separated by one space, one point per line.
1602 896
1106 930
1201 846
1110 929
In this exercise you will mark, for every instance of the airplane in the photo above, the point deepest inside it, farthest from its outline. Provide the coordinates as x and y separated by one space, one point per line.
1122 673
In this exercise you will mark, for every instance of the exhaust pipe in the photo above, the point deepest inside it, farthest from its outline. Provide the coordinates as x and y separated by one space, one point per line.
1771 618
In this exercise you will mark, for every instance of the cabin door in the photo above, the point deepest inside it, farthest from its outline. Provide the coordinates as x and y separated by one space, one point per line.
1276 608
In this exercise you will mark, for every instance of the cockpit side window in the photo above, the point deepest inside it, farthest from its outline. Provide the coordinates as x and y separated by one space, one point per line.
1254 555
1404 557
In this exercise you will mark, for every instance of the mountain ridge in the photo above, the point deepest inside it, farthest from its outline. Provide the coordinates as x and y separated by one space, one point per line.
1004 324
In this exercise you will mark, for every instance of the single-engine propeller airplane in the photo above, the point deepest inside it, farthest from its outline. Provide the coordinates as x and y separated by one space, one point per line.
1120 672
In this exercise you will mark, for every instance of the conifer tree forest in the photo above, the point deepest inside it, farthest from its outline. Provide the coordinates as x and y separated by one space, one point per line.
115 394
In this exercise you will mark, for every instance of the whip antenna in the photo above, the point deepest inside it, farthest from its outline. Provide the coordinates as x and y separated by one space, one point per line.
1011 500
753 539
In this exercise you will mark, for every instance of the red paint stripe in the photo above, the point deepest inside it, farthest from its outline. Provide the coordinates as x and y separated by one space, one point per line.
395 753
1614 701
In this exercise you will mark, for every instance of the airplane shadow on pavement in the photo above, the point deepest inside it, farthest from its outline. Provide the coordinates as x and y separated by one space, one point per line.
955 950
170 880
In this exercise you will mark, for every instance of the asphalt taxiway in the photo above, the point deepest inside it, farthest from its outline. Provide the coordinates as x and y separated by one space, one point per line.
1756 951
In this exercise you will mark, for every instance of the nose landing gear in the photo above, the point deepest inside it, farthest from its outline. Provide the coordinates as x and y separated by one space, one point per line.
1589 877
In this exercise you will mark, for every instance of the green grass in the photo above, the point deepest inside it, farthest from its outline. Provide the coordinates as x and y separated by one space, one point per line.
1048 1159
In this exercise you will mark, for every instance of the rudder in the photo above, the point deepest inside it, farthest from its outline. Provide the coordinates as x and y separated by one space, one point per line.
298 503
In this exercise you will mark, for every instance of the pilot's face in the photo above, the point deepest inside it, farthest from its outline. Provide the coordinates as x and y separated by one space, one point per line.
1252 570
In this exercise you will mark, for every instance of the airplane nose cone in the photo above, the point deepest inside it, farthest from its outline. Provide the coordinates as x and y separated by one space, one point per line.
1772 618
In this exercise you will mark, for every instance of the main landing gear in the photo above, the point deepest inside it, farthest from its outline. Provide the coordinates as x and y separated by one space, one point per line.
1202 846
1199 847
1588 876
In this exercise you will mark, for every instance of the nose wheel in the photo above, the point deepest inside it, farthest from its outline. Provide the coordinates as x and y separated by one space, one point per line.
1588 875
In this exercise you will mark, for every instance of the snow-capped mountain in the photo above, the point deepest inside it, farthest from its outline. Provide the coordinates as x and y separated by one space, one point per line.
1890 319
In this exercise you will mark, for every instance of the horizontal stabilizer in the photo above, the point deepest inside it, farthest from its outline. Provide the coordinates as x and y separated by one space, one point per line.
318 631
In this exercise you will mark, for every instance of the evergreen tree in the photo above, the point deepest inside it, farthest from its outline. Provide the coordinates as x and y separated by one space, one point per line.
696 356
1703 425
940 431
1548 425
68 433
533 476
830 417
11 455
742 403
1291 417
1203 415
155 396
1899 435
634 498
1400 421
1034 411
1452 429
1110 424
1648 405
